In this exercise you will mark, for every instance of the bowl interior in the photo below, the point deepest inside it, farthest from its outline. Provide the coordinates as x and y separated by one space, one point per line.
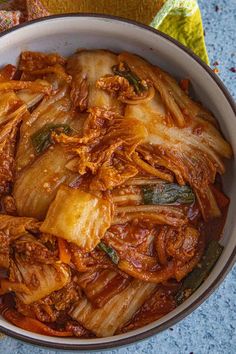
65 35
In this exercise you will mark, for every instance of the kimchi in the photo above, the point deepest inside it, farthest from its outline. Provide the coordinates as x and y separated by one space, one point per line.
111 198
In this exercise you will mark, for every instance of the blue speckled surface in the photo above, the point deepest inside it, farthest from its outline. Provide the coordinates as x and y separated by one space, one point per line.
212 327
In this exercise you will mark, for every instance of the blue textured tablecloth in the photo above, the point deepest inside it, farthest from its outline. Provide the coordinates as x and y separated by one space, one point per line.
212 327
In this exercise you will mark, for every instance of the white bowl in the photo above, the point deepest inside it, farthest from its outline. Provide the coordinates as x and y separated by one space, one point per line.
65 34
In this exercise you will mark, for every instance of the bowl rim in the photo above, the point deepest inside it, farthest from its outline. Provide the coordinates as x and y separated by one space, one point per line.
231 260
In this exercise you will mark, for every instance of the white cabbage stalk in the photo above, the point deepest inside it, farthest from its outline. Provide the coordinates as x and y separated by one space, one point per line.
55 109
86 67
78 217
105 321
40 279
37 186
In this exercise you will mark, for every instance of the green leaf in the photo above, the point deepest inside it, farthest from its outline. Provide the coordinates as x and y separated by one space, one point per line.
200 272
133 79
167 193
41 139
110 252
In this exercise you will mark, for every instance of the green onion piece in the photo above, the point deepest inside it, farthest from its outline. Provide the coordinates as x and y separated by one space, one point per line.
110 252
133 79
194 279
167 193
41 139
